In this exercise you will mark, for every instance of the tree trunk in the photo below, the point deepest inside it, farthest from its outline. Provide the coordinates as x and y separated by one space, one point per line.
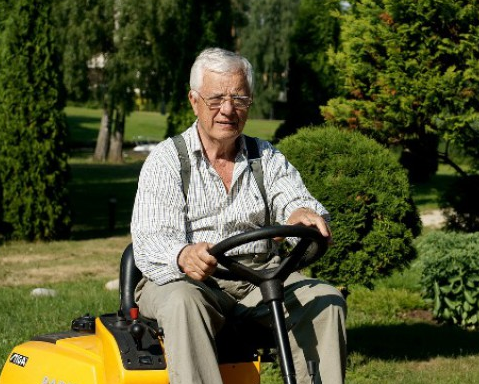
103 140
115 153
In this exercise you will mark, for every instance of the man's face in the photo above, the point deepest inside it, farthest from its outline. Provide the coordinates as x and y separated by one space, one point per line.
226 123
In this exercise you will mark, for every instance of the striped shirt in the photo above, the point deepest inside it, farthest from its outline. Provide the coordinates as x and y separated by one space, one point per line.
163 223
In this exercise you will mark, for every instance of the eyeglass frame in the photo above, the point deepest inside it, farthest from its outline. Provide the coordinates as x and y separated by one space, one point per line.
232 98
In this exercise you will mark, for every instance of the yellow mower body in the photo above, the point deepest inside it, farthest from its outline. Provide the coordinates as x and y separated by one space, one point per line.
105 353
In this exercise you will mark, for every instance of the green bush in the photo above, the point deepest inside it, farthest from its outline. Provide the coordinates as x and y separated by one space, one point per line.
367 193
33 151
180 120
450 278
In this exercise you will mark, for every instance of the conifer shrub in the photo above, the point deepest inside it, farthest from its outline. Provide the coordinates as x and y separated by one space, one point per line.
450 277
33 152
367 193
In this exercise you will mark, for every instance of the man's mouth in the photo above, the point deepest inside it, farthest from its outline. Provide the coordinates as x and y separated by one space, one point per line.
227 123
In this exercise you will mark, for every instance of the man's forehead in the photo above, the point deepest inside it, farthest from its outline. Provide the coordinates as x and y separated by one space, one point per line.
230 82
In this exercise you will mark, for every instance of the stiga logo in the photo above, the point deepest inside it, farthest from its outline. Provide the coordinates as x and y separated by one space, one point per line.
18 359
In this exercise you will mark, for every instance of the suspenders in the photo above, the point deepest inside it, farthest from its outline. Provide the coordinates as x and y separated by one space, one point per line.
254 160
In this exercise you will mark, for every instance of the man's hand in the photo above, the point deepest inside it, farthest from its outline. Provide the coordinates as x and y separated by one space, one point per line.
309 218
196 262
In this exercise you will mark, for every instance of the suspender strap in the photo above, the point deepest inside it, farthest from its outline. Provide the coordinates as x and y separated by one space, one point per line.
254 161
185 173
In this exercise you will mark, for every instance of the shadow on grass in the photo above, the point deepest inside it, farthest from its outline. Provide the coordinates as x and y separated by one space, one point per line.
83 128
90 234
102 197
428 193
412 341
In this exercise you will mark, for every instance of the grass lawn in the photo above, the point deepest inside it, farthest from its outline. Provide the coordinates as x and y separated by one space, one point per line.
85 122
426 195
392 337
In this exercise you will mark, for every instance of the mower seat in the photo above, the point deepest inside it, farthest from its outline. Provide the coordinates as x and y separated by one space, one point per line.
130 276
236 341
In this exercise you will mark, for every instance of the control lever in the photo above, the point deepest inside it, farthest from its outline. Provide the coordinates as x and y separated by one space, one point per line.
137 329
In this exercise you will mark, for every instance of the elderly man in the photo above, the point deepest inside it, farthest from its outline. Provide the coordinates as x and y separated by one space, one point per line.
172 232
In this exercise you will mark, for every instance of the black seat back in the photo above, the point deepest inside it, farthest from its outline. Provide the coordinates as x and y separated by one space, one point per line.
130 276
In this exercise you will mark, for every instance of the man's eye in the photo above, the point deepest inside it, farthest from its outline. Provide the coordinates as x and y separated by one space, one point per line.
215 100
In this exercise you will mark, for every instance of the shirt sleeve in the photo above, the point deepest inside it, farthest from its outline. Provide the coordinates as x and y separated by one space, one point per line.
158 219
287 191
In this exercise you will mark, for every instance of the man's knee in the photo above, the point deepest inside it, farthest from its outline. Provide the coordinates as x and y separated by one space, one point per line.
330 299
157 301
308 290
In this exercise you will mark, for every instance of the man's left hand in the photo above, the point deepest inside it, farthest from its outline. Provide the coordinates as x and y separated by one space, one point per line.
309 218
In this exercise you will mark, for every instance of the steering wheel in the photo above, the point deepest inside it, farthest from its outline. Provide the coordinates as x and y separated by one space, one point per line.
296 259
270 281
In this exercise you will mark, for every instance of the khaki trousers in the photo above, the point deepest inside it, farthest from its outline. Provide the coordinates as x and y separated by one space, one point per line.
191 313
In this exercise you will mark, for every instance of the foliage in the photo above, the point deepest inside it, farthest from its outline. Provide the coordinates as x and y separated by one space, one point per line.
311 78
461 205
367 193
3 227
181 120
265 41
410 70
83 32
451 276
195 26
33 158
129 51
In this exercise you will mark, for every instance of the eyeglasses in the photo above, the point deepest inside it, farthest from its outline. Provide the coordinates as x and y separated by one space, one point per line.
239 102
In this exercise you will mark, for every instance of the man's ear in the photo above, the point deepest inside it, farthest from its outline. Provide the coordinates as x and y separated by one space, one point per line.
193 102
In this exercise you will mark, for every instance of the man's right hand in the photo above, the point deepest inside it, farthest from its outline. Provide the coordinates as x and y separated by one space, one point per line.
196 262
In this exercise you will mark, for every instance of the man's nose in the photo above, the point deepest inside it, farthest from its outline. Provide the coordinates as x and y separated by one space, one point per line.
227 106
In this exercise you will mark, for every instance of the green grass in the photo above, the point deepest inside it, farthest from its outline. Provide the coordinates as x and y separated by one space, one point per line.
25 316
84 124
426 195
391 339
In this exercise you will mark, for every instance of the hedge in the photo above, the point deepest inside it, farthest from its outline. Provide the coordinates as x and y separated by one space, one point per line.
367 193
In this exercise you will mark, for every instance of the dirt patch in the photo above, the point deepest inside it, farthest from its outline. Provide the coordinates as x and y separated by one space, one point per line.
46 263
28 259
433 219
420 315
47 275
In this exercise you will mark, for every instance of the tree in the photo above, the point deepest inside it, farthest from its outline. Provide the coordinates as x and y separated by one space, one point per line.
115 60
311 78
33 157
409 70
142 50
194 25
265 41
85 30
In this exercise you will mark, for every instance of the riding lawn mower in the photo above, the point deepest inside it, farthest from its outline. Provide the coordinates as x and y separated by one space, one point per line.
126 348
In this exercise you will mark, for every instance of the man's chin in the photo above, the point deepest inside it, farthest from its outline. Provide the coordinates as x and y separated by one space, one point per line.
228 129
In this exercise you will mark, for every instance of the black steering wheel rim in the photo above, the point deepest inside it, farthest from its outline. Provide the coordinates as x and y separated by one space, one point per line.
288 265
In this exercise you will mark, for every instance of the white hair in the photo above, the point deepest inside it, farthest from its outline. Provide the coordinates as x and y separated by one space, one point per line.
219 61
